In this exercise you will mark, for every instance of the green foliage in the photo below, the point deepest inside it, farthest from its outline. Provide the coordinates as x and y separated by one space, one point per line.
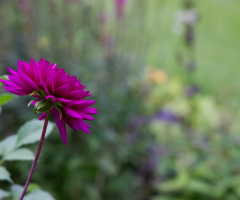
5 77
29 133
16 190
19 154
38 195
35 194
4 174
4 194
203 165
11 150
200 151
4 98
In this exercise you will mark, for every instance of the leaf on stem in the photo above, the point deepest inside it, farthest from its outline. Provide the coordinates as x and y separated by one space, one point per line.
5 175
38 195
7 145
20 154
31 132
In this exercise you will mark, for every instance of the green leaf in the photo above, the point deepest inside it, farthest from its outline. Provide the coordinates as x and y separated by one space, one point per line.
8 145
4 98
35 194
4 193
5 77
107 166
43 107
16 191
198 186
168 198
33 186
38 195
180 183
5 175
31 132
20 154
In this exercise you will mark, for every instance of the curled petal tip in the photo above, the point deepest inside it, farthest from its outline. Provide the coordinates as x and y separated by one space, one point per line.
54 66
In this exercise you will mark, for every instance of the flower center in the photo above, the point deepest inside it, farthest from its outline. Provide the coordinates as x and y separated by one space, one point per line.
44 102
52 98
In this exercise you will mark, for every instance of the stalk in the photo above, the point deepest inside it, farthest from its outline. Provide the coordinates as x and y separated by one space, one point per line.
36 157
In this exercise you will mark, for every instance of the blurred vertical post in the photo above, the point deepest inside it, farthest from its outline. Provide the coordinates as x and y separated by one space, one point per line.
187 19
190 19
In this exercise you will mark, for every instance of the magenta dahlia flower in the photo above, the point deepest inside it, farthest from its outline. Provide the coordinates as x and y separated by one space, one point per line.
55 91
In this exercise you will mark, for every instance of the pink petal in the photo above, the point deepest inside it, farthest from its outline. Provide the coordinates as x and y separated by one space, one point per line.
45 70
32 83
14 91
72 113
84 103
24 67
84 127
88 110
51 96
77 123
42 83
12 72
85 116
62 91
54 66
76 94
73 122
63 100
13 86
61 125
34 102
18 82
50 82
42 116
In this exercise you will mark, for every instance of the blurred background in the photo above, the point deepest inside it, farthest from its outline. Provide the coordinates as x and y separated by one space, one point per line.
165 77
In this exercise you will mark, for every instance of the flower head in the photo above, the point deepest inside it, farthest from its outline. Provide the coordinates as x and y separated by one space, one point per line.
55 91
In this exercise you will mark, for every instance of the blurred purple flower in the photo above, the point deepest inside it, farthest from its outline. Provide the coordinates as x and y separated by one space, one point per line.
103 17
119 5
167 116
151 161
191 90
72 1
24 6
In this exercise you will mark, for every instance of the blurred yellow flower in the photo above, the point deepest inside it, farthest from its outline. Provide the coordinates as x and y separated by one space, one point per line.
156 76
42 42
175 86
